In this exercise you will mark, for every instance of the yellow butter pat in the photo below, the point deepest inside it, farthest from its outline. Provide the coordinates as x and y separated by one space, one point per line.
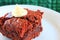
19 11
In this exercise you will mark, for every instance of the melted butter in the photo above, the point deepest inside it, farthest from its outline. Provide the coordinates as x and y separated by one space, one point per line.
19 12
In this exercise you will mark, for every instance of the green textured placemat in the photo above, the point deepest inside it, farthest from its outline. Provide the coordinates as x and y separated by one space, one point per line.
52 4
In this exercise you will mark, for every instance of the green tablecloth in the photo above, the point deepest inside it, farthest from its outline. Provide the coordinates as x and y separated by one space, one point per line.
52 4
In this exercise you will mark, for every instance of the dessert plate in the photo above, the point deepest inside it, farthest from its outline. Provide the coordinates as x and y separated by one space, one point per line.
50 22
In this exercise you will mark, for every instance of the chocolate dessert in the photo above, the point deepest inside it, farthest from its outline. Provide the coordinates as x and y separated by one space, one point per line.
22 28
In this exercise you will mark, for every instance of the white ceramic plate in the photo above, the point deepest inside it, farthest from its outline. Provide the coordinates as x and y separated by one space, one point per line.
50 22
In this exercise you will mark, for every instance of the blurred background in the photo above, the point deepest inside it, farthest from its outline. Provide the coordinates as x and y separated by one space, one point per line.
52 4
